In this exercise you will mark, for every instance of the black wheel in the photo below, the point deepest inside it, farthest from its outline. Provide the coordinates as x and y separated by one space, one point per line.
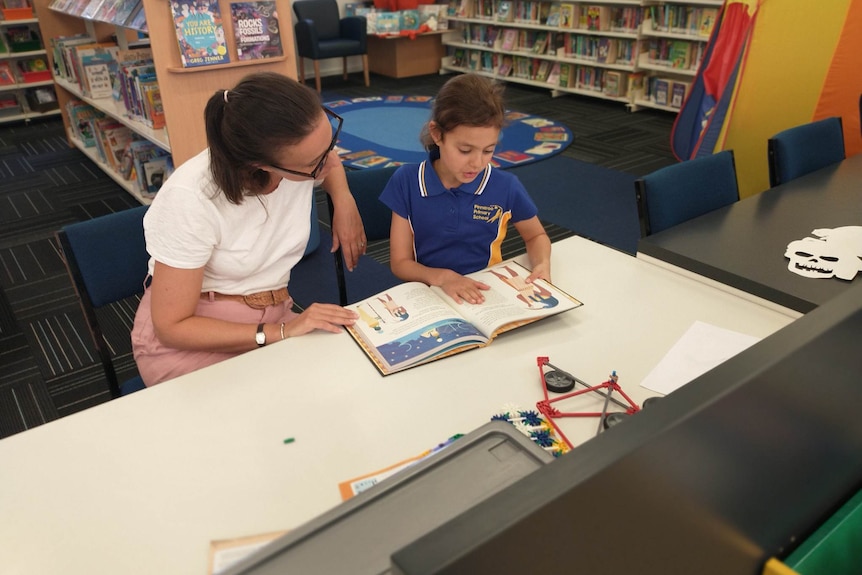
612 419
559 382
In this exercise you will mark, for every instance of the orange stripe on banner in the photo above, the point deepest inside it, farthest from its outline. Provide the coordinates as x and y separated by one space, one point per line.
843 84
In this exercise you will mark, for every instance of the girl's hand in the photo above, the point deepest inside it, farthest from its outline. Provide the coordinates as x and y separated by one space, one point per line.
461 288
540 271
325 316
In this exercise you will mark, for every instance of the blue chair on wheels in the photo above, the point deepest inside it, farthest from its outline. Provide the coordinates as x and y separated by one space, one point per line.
106 257
321 34
683 191
803 149
366 186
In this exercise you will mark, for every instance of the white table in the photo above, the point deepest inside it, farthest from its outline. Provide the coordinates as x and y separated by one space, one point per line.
144 483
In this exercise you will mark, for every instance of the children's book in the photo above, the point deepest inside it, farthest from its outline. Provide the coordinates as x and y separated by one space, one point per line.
411 324
255 29
200 33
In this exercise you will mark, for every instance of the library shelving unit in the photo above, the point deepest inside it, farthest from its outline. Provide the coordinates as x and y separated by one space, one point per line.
19 81
674 39
184 91
598 49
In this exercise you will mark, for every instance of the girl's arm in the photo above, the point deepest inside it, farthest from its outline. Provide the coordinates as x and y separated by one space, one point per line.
348 233
538 247
404 265
175 295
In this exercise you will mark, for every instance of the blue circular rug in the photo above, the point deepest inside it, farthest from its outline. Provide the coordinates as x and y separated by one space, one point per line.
380 132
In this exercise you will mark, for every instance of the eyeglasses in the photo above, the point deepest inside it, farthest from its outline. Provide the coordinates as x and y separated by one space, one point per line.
335 121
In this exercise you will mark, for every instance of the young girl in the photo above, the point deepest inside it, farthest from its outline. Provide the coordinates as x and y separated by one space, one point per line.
228 226
449 213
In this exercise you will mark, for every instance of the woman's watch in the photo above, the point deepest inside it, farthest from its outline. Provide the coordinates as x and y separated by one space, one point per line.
260 336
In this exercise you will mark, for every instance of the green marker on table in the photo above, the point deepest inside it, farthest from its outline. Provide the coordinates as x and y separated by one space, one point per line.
289 440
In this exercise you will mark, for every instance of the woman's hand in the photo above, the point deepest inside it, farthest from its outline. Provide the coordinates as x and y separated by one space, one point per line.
462 288
348 233
325 316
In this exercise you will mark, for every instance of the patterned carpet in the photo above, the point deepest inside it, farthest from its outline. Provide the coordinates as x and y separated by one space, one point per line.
48 366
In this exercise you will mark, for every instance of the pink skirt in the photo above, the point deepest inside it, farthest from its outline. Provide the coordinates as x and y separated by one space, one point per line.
158 363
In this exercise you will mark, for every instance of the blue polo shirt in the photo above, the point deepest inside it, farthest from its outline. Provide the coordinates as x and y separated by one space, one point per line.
463 228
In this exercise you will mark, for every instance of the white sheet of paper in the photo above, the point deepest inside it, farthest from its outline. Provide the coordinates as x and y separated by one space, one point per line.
702 347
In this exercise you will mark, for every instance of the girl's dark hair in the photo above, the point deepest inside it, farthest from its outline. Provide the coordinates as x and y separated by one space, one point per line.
466 100
264 112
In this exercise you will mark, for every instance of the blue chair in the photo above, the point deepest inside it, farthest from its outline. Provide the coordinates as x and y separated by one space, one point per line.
321 34
683 191
366 186
803 149
106 258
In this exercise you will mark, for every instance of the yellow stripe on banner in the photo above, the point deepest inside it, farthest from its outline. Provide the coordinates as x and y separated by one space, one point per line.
787 62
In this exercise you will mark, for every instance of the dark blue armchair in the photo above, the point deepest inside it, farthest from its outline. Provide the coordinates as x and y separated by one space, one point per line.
686 190
321 34
803 149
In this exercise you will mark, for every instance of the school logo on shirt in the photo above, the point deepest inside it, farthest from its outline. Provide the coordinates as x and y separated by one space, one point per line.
488 214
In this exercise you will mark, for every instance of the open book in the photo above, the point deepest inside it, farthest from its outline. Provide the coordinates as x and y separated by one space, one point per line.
412 323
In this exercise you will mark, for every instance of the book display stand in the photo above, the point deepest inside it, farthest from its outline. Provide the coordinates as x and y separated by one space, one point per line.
184 91
622 50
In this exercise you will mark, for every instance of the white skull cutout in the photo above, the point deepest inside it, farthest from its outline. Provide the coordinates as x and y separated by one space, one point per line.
836 252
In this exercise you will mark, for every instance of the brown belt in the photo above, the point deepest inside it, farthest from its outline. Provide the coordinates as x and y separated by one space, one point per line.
259 300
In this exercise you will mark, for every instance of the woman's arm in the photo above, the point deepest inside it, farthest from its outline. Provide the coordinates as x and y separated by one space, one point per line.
175 295
405 266
538 247
348 233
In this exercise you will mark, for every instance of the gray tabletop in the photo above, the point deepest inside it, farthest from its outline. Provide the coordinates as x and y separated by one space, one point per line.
743 245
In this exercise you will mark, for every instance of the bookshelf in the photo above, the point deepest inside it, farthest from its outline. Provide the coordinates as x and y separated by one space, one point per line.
25 93
674 39
184 91
596 49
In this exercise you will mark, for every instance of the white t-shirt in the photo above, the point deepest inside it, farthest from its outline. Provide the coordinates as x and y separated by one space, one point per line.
244 249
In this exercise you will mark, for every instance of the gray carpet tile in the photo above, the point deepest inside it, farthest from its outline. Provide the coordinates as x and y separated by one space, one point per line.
24 404
48 365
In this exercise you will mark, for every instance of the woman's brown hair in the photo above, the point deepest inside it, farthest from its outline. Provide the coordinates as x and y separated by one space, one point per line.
244 125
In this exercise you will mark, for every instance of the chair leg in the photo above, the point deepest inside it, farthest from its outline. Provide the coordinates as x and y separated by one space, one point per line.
365 69
317 76
344 67
301 70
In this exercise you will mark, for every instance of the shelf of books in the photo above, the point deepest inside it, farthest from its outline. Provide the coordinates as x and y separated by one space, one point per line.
111 62
674 40
600 50
26 89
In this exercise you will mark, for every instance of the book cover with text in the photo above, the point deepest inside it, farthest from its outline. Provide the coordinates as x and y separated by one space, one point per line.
255 29
200 33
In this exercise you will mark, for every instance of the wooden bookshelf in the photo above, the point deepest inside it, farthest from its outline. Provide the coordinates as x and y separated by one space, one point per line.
184 95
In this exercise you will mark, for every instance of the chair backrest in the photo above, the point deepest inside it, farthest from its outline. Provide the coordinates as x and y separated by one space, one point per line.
366 186
107 260
323 13
803 149
683 191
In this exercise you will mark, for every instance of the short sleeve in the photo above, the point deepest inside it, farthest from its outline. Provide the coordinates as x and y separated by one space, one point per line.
181 228
523 207
396 194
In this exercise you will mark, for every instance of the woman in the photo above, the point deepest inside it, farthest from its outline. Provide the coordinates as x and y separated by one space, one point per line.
228 226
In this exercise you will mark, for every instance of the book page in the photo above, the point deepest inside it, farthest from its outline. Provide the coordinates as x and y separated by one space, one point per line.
409 324
226 553
511 302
